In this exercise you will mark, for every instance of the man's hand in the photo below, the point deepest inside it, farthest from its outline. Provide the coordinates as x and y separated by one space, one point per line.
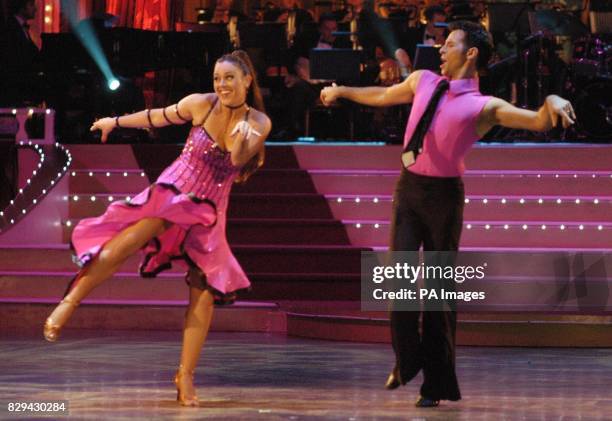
558 107
330 94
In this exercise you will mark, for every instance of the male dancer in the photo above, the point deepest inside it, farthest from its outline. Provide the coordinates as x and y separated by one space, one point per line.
429 197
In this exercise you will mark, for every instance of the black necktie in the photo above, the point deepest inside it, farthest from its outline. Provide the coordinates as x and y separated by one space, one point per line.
26 28
415 145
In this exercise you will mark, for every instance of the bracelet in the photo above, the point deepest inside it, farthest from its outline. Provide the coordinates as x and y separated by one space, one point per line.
117 125
151 126
178 114
166 116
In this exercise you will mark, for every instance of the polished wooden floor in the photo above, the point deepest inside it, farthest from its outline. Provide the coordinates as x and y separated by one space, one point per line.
128 375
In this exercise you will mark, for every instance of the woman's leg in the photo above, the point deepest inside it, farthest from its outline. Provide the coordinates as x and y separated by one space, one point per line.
197 322
112 256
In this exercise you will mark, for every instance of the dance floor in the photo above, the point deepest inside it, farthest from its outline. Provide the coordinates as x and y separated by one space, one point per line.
128 375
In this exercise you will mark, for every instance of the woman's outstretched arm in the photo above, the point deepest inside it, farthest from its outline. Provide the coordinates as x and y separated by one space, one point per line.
179 113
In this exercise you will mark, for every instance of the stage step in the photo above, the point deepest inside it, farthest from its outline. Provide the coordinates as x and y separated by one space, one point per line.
475 329
593 235
287 206
345 184
275 232
539 231
170 286
29 316
505 157
509 208
315 206
283 259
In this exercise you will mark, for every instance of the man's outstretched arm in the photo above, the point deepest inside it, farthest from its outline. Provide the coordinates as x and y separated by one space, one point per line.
374 96
499 112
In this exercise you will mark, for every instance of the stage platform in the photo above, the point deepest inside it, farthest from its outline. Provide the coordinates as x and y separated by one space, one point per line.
118 375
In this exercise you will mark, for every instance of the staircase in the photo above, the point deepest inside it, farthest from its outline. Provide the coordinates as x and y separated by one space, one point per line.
298 227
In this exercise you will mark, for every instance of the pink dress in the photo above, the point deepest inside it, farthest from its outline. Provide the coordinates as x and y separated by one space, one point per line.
192 194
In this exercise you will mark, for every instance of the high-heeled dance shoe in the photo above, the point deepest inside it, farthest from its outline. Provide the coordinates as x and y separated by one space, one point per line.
394 380
424 402
181 397
52 330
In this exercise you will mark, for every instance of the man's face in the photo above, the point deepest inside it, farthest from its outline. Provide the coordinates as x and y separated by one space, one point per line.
453 54
326 28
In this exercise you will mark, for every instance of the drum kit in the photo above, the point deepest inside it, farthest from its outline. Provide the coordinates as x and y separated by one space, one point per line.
586 67
577 64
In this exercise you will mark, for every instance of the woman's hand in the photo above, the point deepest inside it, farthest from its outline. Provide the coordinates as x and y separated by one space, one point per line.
106 125
245 129
560 108
330 94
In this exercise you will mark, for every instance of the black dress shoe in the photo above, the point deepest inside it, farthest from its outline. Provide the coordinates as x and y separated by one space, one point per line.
424 402
394 380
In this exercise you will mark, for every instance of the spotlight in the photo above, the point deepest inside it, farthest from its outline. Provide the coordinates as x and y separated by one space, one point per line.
113 84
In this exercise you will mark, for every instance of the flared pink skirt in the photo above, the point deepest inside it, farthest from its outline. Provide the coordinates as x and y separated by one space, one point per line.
196 235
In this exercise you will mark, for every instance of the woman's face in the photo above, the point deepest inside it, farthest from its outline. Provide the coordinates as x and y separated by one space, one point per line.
230 83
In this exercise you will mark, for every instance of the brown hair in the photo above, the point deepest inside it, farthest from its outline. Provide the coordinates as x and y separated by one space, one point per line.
241 59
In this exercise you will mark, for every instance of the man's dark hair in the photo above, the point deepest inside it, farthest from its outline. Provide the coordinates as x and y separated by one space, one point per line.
431 11
16 6
475 36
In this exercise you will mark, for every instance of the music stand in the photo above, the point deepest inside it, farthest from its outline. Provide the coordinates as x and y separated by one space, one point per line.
427 57
338 64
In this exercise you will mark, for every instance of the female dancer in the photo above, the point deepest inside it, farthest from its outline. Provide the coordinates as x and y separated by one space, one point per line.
182 214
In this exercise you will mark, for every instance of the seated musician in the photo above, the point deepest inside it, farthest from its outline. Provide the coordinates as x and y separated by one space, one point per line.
304 91
225 9
279 10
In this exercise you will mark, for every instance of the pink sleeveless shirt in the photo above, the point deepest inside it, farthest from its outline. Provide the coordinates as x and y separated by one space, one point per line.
453 128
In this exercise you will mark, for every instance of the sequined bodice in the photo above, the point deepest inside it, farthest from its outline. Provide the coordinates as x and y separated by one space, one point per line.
202 169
